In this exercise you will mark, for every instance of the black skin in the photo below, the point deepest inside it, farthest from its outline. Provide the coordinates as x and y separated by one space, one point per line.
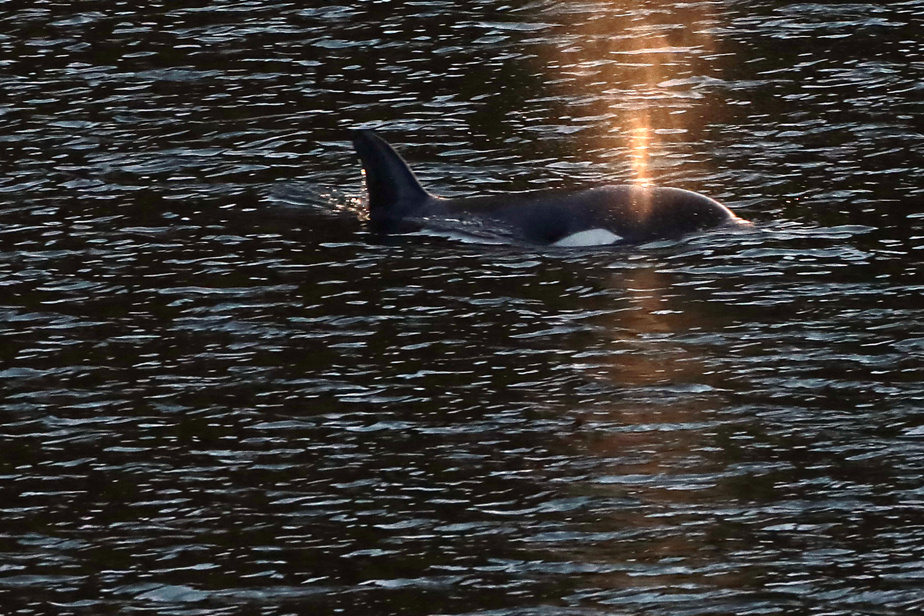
634 213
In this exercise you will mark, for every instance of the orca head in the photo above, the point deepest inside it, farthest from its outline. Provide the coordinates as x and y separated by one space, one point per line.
663 213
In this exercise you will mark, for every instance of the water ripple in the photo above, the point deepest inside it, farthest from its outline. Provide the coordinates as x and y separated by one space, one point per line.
221 394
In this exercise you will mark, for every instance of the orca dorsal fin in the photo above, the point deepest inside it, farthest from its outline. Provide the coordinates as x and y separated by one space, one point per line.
394 191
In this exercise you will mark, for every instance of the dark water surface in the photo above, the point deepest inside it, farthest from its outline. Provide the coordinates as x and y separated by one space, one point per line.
220 395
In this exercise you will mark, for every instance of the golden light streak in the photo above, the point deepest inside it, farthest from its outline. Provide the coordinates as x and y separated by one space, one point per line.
641 66
636 60
639 149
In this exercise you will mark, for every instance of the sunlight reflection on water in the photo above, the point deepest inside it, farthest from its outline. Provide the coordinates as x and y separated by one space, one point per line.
222 394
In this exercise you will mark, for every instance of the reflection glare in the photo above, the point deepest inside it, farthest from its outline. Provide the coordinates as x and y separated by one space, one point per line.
639 62
640 141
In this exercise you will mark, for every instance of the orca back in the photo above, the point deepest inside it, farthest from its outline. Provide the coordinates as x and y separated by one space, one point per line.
620 214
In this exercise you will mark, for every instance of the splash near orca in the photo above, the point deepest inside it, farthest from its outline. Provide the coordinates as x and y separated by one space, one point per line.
619 214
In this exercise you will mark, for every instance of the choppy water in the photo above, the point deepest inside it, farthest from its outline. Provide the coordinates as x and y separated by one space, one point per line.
220 395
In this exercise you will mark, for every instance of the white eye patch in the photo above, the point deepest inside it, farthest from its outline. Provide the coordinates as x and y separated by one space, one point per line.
590 237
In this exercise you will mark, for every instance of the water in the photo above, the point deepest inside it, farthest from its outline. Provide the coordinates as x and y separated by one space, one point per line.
221 395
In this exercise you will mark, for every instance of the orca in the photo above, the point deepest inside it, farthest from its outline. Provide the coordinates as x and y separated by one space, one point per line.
616 214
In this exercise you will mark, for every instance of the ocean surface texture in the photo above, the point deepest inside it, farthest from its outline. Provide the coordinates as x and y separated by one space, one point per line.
221 394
